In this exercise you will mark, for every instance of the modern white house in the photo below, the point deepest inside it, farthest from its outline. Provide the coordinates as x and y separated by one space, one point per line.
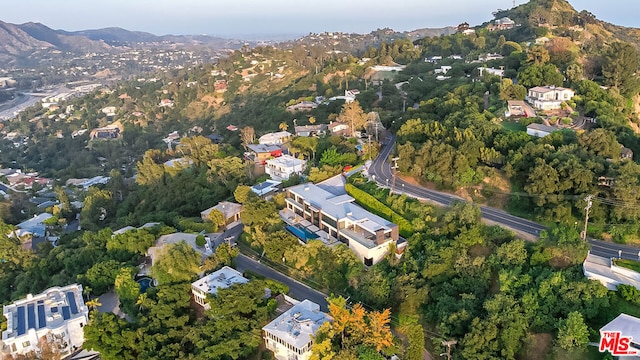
549 97
221 279
290 335
58 315
281 168
540 130
313 210
628 326
276 138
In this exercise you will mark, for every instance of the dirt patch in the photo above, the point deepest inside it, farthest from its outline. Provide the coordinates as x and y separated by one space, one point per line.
479 251
330 76
537 347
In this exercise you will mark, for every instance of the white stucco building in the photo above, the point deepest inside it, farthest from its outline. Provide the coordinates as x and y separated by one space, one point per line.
281 168
548 97
58 314
221 279
276 138
290 335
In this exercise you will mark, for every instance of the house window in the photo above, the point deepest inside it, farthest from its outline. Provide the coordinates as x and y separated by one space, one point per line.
26 344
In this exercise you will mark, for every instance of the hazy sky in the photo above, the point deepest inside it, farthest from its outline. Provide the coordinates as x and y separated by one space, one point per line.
236 17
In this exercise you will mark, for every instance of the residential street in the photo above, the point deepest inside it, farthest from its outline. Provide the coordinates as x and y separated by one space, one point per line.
382 171
297 289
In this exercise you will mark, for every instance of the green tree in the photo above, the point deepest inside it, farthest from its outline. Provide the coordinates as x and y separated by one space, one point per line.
242 193
217 218
538 55
353 115
102 275
573 332
176 263
224 255
127 288
99 207
621 63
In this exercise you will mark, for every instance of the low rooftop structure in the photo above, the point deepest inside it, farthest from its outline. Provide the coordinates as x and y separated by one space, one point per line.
221 279
290 335
230 211
58 314
519 108
540 130
179 162
603 270
267 188
276 138
311 130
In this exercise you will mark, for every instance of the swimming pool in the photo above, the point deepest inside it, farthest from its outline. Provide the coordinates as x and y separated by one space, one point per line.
145 283
302 233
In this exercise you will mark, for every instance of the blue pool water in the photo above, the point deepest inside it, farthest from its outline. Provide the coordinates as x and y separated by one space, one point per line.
302 233
145 283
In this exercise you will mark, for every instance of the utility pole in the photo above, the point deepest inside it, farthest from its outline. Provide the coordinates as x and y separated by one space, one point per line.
395 167
586 216
369 149
449 344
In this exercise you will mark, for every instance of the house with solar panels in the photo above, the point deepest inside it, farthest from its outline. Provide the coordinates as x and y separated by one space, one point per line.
58 315
290 335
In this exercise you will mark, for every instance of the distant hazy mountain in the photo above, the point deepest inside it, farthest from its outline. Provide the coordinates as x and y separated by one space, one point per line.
19 41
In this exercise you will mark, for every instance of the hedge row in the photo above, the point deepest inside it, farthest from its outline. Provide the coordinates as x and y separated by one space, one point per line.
375 206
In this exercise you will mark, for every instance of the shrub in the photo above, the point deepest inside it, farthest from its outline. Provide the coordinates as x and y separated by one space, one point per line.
372 204
200 240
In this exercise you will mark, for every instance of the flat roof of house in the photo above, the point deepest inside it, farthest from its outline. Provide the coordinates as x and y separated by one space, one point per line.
601 266
220 279
340 206
275 136
297 325
545 89
628 325
286 161
227 208
47 310
541 127
263 148
183 161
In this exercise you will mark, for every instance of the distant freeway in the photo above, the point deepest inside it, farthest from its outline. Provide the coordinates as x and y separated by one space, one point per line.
382 172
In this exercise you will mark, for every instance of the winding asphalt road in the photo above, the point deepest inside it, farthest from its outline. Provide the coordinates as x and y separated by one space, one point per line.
382 173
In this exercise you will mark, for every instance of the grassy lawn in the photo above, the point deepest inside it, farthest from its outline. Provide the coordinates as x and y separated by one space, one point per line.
629 264
512 126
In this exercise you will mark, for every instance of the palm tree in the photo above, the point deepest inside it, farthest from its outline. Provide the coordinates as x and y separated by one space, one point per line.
93 304
143 301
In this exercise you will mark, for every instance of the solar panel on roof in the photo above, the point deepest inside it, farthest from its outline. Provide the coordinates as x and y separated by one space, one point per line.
72 302
31 316
22 325
42 319
66 314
